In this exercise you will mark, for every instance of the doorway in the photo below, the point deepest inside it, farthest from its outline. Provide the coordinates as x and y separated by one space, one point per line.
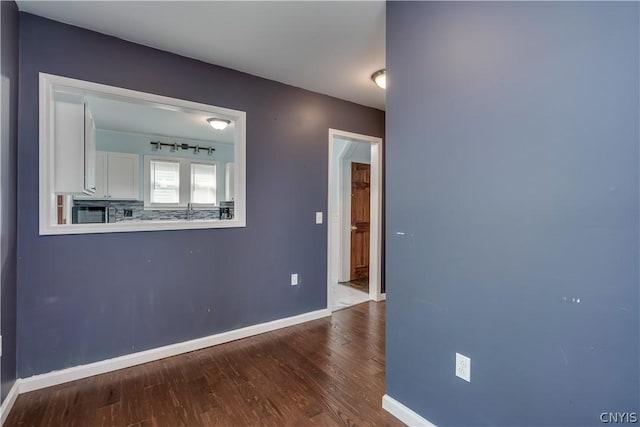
354 219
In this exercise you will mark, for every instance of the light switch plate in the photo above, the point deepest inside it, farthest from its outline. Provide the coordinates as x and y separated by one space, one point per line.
318 217
294 279
463 367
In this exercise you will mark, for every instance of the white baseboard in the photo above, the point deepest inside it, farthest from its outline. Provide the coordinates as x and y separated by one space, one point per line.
403 413
83 371
383 296
8 402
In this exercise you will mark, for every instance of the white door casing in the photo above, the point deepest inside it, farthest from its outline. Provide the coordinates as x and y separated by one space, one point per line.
334 249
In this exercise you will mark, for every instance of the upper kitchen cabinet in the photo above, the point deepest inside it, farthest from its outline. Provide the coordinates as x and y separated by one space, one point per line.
75 145
116 177
122 176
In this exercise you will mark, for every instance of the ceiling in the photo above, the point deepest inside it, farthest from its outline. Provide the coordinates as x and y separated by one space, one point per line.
146 119
330 47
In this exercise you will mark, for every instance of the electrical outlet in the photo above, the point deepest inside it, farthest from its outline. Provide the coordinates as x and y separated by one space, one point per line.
463 367
318 217
294 279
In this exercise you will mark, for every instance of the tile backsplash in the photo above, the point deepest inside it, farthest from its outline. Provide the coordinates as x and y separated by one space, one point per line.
140 214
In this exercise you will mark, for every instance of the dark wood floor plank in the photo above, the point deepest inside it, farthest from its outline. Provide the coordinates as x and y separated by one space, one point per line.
329 372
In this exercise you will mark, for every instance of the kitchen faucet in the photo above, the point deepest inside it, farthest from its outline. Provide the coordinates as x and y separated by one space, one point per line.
189 211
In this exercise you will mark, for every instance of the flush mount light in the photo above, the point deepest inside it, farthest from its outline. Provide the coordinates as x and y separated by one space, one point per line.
218 124
380 78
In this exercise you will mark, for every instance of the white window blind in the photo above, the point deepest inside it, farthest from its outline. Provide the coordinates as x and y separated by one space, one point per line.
203 183
165 181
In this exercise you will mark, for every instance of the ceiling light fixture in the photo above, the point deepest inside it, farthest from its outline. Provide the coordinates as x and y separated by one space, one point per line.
380 78
218 124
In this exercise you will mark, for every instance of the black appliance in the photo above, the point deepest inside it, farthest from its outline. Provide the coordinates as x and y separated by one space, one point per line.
226 210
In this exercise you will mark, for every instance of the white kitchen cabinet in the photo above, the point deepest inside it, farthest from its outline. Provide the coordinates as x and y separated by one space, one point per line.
122 176
117 176
89 151
101 177
74 140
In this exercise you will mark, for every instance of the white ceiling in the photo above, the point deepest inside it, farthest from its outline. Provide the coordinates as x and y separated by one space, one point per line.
140 118
331 47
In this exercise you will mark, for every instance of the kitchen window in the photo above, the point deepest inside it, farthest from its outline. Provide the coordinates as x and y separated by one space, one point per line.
203 183
174 183
165 182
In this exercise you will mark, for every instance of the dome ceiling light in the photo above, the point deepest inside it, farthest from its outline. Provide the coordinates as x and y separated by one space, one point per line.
380 78
218 124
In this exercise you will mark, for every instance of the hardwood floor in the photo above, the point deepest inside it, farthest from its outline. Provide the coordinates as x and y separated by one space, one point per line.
326 372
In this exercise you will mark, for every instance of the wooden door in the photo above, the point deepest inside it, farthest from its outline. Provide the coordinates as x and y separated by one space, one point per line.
360 210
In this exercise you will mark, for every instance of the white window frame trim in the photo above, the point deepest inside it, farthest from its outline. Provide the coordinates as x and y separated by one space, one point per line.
184 191
47 200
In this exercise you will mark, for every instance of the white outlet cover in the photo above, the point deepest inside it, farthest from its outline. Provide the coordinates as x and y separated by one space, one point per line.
463 367
294 279
318 217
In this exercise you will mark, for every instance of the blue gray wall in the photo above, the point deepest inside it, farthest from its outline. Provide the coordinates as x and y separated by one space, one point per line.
512 172
85 298
9 64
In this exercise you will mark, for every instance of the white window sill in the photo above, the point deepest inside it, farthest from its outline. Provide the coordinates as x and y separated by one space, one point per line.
141 225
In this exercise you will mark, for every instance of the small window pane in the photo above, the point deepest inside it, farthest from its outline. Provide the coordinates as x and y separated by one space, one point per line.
165 182
203 183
